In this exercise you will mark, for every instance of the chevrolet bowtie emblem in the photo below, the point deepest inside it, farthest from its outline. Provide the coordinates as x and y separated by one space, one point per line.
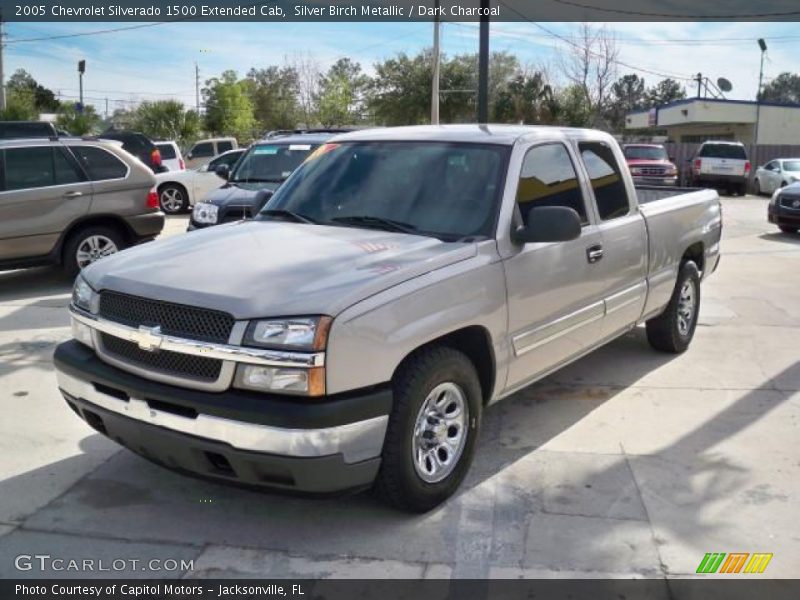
148 338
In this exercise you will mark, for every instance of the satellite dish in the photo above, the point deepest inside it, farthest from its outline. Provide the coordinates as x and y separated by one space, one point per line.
724 84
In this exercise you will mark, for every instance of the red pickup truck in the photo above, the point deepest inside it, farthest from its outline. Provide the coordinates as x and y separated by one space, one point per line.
650 165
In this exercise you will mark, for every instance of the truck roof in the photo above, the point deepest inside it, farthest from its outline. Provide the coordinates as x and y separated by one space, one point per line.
472 133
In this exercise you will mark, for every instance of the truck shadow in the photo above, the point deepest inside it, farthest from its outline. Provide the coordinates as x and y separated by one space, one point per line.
779 236
24 284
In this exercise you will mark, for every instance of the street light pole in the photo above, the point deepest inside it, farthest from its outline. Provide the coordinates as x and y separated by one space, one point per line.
435 83
483 65
763 45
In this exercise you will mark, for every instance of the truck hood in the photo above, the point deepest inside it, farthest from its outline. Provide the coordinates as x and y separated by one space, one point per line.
254 269
238 194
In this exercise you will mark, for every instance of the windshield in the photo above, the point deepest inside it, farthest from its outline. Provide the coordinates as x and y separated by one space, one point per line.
791 165
645 153
271 162
444 190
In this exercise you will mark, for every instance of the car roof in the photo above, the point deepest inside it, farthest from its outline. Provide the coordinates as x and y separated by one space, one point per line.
472 133
726 142
302 138
643 146
42 141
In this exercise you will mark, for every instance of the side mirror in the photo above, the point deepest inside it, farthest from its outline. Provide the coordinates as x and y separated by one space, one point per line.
189 156
549 224
223 171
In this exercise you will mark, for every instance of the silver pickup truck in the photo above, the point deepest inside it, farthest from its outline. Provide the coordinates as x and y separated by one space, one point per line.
397 284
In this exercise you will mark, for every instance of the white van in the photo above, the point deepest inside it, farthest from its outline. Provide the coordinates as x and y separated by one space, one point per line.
204 150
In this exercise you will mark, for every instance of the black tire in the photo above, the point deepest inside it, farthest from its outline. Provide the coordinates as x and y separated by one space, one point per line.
665 332
69 257
398 483
757 187
173 199
787 229
742 189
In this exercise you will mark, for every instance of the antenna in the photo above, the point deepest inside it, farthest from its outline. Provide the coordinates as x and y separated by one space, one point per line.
724 85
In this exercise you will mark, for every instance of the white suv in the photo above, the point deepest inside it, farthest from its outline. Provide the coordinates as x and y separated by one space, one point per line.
171 156
719 164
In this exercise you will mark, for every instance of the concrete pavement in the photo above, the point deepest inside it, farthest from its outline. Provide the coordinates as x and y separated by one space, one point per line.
628 463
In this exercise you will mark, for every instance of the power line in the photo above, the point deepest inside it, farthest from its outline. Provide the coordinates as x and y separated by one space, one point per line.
727 17
86 33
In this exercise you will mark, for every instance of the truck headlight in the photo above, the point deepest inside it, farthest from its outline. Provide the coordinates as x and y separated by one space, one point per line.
82 294
296 333
205 213
281 380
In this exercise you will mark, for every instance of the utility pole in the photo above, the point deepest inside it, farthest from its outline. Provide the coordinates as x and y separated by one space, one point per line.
197 87
699 80
763 45
483 65
2 74
106 109
435 85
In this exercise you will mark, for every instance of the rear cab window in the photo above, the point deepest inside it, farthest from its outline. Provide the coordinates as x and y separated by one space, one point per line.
733 151
606 179
548 178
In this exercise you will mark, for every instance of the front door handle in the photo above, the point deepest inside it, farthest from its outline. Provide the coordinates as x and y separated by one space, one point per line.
73 194
594 253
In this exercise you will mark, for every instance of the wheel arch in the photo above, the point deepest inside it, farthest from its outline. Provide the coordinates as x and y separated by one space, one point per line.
695 253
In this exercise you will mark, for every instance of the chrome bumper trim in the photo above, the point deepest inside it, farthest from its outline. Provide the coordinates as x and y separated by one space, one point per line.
356 442
241 354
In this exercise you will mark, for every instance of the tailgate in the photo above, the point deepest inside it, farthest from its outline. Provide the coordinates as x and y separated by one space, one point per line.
722 166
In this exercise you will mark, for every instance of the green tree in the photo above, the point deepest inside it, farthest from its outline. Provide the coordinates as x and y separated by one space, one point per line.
44 100
341 94
665 91
166 119
785 88
20 106
525 98
78 123
273 92
575 110
229 109
628 94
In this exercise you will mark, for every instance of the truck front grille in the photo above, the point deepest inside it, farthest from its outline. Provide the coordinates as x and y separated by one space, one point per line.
652 171
169 363
174 319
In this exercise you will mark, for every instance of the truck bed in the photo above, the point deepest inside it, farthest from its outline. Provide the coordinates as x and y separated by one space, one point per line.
651 193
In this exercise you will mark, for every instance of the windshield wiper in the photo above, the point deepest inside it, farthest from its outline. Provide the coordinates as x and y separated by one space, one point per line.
377 222
280 212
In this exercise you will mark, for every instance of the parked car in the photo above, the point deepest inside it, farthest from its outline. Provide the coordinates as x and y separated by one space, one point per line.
723 165
776 174
71 202
254 178
399 282
171 156
178 190
26 129
649 164
784 208
139 145
203 150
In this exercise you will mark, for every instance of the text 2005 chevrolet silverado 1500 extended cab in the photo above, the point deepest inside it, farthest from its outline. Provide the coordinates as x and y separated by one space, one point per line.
399 282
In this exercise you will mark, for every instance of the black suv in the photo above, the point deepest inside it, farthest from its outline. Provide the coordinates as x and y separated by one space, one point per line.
26 129
139 145
255 176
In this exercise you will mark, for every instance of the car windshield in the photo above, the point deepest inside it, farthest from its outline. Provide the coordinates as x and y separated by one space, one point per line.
271 162
791 165
645 153
723 151
445 190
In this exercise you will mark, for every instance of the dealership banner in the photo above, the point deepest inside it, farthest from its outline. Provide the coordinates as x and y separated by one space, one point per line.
437 589
398 10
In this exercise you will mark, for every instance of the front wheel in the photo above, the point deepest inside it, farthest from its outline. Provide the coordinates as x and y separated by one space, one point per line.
433 426
673 330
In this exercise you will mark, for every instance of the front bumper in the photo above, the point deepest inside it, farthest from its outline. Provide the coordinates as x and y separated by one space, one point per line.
321 446
783 216
671 180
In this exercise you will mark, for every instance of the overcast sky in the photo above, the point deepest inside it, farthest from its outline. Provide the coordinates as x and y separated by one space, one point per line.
158 62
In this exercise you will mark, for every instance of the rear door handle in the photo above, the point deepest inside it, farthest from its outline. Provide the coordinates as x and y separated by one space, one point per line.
594 253
73 194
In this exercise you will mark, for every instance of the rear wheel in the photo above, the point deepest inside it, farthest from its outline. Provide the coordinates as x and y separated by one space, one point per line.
430 440
673 330
173 199
88 245
742 189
